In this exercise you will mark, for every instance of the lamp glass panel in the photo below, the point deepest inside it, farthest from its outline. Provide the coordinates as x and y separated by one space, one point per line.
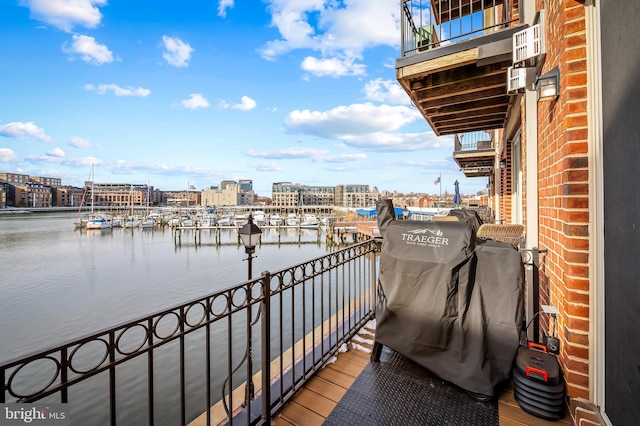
548 88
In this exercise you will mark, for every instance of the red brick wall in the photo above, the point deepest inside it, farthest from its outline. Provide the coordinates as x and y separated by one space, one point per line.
563 190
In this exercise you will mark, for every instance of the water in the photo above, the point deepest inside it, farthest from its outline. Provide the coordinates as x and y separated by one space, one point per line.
58 283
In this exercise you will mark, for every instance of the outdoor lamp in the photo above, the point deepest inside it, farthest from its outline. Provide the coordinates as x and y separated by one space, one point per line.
548 85
250 235
503 164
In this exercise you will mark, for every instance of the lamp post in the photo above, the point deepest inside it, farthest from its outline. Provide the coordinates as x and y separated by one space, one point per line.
250 235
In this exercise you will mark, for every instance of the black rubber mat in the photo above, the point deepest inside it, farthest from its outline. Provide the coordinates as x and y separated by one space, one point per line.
397 391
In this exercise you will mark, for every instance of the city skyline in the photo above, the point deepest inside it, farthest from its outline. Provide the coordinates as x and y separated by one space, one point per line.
275 91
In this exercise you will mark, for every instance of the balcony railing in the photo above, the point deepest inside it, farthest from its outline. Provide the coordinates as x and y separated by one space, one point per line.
237 355
429 24
473 141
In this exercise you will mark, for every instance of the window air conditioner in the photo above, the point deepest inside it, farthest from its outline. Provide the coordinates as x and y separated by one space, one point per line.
528 44
516 79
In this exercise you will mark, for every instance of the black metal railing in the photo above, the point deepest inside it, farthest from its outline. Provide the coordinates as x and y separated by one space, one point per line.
234 356
473 141
429 24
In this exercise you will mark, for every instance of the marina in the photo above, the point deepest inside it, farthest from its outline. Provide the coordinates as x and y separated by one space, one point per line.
81 280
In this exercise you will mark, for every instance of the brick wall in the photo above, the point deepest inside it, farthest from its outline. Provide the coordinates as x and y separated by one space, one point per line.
563 190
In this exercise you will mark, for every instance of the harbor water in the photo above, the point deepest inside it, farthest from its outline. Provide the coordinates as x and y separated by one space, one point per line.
58 283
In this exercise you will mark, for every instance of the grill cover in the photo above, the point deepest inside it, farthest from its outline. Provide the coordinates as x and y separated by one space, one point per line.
447 304
467 215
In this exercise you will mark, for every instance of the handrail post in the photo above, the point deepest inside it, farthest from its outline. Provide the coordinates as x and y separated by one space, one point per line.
265 306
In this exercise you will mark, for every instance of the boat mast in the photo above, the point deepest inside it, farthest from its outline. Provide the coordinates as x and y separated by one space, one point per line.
92 188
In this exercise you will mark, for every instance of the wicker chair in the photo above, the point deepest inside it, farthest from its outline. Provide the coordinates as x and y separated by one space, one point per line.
505 233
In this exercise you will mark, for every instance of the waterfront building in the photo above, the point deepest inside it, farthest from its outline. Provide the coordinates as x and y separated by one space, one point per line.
245 185
18 178
31 194
3 194
68 196
551 124
48 181
229 193
181 198
14 178
119 195
355 196
288 195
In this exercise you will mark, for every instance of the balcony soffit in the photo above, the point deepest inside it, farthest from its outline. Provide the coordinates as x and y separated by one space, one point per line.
463 91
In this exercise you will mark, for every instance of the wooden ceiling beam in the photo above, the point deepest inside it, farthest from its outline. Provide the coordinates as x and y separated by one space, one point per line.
486 93
463 87
470 106
458 75
475 118
470 127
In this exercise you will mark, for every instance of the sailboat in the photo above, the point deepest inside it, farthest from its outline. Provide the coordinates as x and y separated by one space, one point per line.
131 221
97 221
147 222
79 222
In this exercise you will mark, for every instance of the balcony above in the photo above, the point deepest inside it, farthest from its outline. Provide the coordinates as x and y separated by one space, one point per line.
455 60
449 10
475 153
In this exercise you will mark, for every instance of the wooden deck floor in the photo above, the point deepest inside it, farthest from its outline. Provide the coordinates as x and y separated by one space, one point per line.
312 404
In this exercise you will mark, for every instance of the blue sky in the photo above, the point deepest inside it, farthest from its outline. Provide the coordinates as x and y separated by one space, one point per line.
192 92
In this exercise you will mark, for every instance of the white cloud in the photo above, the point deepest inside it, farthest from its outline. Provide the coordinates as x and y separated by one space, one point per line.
395 142
88 49
27 130
79 142
177 52
317 155
355 119
340 30
35 159
223 5
84 161
332 67
289 153
71 162
195 101
117 90
8 156
56 152
386 91
267 167
342 158
246 104
66 14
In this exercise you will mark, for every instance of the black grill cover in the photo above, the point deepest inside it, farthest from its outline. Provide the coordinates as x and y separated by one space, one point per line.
448 305
467 215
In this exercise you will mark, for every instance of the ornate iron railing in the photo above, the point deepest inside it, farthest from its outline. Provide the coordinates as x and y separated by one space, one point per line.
234 356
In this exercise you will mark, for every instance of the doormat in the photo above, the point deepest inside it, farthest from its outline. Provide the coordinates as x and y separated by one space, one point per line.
397 391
